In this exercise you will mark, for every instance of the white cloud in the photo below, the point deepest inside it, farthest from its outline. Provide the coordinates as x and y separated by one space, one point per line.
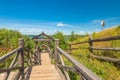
60 24
82 32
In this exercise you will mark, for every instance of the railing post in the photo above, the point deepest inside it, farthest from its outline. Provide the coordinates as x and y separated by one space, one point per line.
56 52
21 56
70 48
90 44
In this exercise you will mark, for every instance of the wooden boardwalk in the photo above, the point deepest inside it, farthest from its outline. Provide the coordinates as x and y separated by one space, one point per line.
45 71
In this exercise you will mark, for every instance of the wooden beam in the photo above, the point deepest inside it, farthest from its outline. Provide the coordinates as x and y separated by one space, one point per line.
9 54
112 49
42 40
107 39
98 40
9 69
72 69
82 69
21 56
114 60
79 43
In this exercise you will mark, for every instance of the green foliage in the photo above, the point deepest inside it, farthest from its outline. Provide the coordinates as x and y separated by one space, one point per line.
105 70
9 41
73 36
61 37
8 37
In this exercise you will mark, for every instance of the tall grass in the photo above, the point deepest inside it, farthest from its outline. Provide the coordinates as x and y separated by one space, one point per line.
9 41
105 70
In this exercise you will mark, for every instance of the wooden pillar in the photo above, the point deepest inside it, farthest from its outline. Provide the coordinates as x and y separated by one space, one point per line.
21 56
56 52
90 44
49 44
70 48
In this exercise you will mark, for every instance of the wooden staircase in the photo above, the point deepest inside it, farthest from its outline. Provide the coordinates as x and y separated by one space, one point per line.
45 71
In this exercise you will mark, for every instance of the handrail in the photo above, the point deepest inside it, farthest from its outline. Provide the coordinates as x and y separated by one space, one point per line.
91 48
98 40
106 39
9 54
82 69
19 53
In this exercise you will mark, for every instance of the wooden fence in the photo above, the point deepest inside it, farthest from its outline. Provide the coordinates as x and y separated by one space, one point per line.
77 68
22 55
91 48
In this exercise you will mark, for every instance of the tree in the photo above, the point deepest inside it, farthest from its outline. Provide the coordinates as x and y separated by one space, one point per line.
73 36
61 37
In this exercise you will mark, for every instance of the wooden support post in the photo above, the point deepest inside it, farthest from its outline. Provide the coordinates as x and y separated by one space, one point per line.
90 44
35 56
70 46
56 52
49 44
21 56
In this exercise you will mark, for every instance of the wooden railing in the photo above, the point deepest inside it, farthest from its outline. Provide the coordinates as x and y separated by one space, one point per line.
78 68
22 56
13 66
91 48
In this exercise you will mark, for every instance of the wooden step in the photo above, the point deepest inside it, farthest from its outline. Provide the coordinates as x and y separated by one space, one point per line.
45 71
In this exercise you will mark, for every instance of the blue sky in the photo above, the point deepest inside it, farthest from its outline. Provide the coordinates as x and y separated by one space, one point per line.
36 16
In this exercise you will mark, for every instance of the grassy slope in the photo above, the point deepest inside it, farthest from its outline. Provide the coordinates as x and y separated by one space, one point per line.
9 41
105 70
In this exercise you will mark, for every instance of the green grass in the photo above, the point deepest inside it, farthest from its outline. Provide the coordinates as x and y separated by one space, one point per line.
105 70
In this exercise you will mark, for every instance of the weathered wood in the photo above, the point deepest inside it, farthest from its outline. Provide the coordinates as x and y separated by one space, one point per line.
107 39
41 40
79 43
112 49
90 44
9 69
72 69
82 69
43 34
98 40
9 54
17 76
114 60
12 65
21 56
61 74
46 71
56 51
62 63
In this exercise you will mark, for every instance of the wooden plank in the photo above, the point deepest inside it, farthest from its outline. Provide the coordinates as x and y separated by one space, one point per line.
114 60
107 39
10 76
41 40
79 43
45 71
81 68
9 54
9 69
98 40
110 49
